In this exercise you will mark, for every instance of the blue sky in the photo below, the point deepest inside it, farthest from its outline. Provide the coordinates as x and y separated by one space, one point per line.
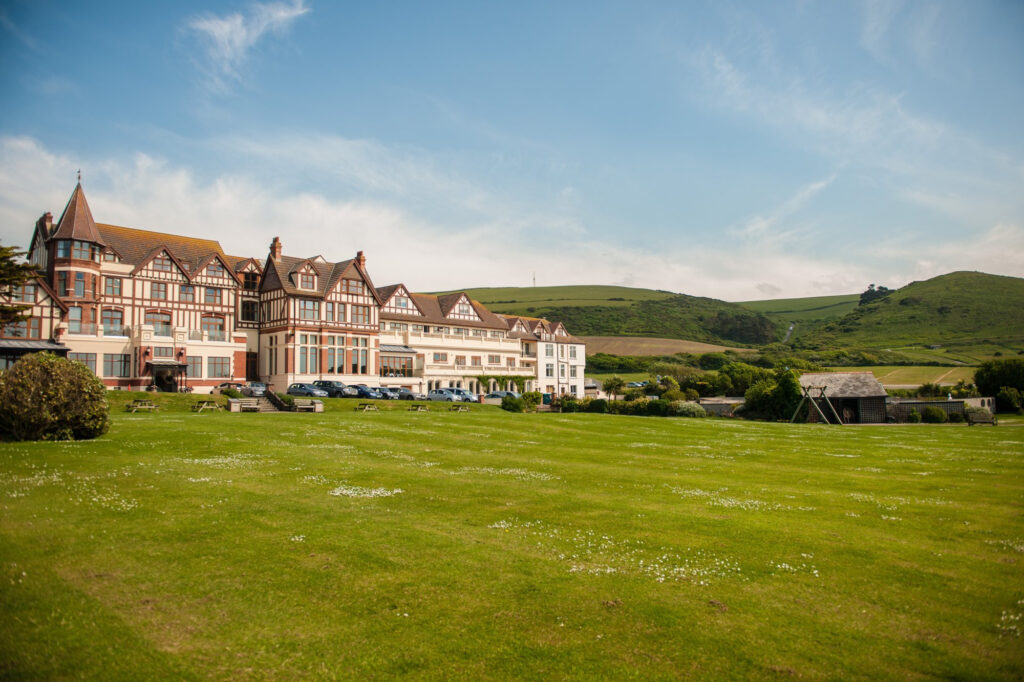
733 150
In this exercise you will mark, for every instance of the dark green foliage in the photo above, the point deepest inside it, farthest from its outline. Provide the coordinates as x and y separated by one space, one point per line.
956 418
288 400
532 399
914 417
513 404
775 398
613 386
873 294
598 405
45 397
691 394
634 394
231 392
712 360
673 394
1009 399
933 415
658 408
991 376
742 376
13 273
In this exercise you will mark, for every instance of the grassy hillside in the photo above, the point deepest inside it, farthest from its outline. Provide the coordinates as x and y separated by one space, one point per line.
805 314
958 310
623 311
489 545
635 345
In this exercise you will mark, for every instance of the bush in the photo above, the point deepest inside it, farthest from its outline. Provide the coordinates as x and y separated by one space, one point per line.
673 395
231 392
287 399
566 403
933 415
598 405
691 394
658 408
513 404
681 408
1009 399
913 417
45 397
634 394
991 376
532 399
956 418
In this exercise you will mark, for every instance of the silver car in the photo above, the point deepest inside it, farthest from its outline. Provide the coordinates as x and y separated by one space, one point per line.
444 395
466 396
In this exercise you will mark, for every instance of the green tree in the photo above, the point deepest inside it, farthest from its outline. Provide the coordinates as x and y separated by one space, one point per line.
994 374
13 273
613 385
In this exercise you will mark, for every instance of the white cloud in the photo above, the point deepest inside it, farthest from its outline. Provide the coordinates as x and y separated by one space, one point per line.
229 39
760 226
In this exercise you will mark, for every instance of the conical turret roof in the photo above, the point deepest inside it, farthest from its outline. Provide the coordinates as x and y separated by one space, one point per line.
76 222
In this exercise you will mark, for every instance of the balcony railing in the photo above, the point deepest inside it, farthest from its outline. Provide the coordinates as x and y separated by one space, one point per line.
195 335
400 372
216 335
84 328
116 330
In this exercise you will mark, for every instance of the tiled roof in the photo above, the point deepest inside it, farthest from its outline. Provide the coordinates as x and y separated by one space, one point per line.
844 384
135 246
432 307
327 278
76 222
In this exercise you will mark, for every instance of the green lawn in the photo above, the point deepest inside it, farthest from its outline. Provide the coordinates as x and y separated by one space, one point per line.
492 545
896 375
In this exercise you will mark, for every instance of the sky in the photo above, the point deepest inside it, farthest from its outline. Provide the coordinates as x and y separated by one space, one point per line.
736 150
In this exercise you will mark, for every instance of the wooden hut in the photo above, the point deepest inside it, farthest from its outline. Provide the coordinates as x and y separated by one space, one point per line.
857 397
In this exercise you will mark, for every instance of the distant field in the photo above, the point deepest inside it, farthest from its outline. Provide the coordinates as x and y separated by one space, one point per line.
634 345
489 545
503 299
915 376
811 308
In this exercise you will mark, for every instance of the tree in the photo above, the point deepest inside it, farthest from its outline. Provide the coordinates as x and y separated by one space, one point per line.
994 374
13 273
613 385
873 294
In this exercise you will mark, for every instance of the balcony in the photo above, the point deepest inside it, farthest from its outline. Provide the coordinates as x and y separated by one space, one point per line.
82 328
216 335
116 330
401 372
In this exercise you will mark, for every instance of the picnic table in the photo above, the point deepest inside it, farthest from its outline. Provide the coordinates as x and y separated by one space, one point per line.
367 407
419 408
201 405
136 405
458 408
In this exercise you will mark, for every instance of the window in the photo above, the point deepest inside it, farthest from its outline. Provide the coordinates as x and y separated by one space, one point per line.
158 290
309 310
572 372
26 293
117 365
440 357
218 368
161 322
493 359
74 320
359 354
479 332
163 351
79 285
341 312
360 314
511 362
187 293
497 335
211 295
460 360
561 371
113 322
549 370
64 248
250 311
351 286
272 354
162 264
330 311
561 351
213 325
109 257
335 355
23 329
215 269
458 330
475 361
549 350
309 353
398 326
251 281
572 352
307 281
194 370
87 359
465 309
396 367
401 302
84 251
112 286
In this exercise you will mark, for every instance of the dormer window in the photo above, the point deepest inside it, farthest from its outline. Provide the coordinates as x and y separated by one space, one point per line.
401 302
215 269
465 309
351 286
109 257
162 264
251 281
307 280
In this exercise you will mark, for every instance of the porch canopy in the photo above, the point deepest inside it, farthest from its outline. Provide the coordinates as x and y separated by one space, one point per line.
12 349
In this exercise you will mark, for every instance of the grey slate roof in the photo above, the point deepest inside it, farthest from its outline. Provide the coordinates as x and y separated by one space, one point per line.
844 384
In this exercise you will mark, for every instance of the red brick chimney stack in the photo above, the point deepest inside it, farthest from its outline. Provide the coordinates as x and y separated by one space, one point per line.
361 259
275 249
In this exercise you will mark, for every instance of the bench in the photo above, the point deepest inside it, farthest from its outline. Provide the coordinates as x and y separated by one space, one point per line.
980 418
458 408
248 405
305 406
419 408
136 405
201 405
367 407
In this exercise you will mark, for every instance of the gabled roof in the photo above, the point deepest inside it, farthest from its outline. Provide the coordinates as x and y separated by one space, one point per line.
328 275
432 308
76 222
136 246
239 263
386 293
536 326
844 384
156 252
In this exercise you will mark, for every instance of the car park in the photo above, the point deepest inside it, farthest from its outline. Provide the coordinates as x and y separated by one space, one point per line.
407 394
466 396
367 392
386 393
336 389
254 389
444 395
306 390
501 394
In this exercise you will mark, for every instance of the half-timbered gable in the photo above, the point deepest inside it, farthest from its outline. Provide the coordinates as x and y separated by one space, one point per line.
40 331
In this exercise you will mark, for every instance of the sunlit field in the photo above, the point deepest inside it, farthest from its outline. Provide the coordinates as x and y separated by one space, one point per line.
494 545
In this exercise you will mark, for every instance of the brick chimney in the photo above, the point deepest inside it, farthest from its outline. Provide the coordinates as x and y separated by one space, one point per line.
275 249
361 259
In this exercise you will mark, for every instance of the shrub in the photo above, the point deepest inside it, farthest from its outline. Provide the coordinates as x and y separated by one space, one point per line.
513 404
634 394
566 403
913 417
45 397
532 399
673 395
691 394
681 408
598 405
1009 399
933 415
994 374
287 399
657 408
231 392
956 418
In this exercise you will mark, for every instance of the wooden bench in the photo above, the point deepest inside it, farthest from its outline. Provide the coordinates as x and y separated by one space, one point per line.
367 407
980 418
201 405
248 405
419 408
458 408
305 406
136 405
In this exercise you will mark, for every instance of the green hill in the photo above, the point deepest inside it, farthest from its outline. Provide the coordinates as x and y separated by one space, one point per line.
624 311
958 310
804 314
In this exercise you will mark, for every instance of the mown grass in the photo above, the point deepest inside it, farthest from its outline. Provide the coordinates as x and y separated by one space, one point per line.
505 546
894 375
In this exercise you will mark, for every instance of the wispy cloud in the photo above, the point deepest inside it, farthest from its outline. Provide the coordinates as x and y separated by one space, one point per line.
760 226
229 39
8 25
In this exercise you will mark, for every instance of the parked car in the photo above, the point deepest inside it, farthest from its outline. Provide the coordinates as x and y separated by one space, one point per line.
307 390
219 388
406 394
336 389
444 395
386 393
466 396
501 394
367 392
635 384
254 389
